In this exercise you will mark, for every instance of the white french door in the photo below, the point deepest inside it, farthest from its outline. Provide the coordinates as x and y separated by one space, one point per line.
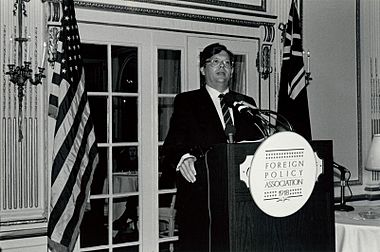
132 77
122 212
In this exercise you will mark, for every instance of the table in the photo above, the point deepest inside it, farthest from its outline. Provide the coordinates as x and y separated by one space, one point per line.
123 182
358 230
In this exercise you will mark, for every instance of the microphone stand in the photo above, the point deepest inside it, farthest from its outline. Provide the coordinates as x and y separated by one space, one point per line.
237 102
284 123
268 128
342 205
230 132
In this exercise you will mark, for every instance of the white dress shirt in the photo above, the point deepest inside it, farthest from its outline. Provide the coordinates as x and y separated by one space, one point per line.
214 94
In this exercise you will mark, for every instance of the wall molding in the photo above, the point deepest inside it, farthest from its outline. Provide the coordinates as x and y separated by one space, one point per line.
261 7
178 15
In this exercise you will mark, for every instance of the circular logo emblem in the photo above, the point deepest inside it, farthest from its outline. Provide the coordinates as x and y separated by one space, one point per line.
282 174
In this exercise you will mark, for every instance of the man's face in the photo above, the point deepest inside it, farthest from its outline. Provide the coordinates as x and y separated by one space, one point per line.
218 71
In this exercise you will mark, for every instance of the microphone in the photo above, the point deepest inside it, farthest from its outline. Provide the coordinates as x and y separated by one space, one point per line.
343 183
230 132
237 101
341 168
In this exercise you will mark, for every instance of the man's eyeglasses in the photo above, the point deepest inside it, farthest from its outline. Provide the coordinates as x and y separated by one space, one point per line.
216 62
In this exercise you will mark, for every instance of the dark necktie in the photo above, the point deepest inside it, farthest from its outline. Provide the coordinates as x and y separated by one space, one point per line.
225 111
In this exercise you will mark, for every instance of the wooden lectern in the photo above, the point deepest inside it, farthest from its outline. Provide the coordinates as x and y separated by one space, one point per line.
238 225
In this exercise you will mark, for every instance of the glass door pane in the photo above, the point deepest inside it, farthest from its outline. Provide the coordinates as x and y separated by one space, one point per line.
238 81
124 119
94 227
95 67
111 216
169 84
124 148
124 69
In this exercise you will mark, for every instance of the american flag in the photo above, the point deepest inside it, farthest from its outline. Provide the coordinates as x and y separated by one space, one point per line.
293 54
75 154
292 101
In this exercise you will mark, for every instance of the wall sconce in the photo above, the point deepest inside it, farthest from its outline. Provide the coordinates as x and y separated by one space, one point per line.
54 24
282 28
373 162
264 62
265 65
307 71
21 73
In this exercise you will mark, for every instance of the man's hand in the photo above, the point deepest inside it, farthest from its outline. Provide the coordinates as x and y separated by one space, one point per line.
187 169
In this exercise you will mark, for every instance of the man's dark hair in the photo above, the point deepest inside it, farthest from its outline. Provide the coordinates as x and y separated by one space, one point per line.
211 50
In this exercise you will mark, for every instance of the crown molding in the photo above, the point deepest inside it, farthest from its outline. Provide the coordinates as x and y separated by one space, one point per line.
267 19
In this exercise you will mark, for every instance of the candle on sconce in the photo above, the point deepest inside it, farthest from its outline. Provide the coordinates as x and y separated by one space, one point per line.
303 57
308 61
43 55
10 50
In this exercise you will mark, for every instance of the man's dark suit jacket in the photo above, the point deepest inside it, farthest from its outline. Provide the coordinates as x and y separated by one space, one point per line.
194 128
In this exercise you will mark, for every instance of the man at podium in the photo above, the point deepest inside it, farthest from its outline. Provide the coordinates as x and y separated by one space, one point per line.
200 120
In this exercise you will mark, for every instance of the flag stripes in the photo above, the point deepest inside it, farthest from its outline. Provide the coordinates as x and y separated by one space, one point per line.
293 54
55 88
75 154
292 96
69 128
295 84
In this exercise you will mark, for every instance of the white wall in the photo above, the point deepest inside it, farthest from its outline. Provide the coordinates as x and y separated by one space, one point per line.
330 35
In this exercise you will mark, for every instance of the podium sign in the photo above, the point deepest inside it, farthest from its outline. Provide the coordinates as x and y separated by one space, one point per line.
282 173
240 223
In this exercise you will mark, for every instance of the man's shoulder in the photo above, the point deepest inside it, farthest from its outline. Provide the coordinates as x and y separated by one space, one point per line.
190 94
